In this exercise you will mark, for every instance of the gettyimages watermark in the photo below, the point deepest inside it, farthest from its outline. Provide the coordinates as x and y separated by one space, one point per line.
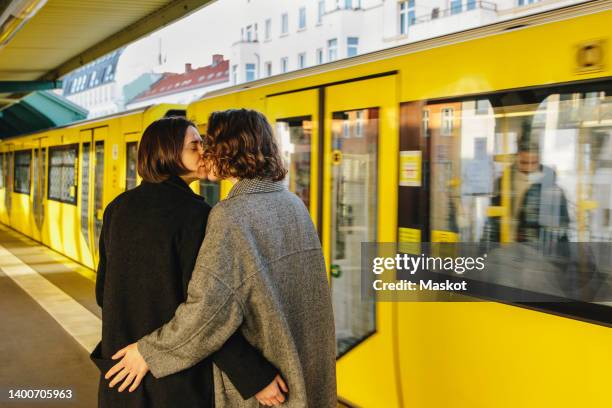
517 272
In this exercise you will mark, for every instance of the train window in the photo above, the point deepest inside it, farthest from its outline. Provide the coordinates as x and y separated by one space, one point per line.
131 156
532 168
210 191
23 160
353 220
62 173
294 137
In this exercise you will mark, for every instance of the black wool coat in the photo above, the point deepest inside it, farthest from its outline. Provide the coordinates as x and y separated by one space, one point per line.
149 242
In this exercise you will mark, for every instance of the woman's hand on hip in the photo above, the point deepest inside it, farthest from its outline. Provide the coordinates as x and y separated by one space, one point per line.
272 394
132 368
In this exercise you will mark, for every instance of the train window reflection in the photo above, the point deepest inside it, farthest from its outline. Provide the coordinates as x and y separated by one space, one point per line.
294 136
23 160
537 171
62 174
354 209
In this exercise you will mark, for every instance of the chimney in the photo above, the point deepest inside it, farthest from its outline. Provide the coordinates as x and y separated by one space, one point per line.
217 59
187 67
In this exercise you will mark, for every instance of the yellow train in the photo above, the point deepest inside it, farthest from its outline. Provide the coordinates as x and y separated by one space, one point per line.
412 144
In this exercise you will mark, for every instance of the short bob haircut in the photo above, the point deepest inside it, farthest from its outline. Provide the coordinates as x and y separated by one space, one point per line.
161 146
240 144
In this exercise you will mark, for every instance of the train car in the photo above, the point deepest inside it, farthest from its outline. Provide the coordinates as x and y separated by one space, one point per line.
419 144
56 183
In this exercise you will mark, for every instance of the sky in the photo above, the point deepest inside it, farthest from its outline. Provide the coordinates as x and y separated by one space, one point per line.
193 39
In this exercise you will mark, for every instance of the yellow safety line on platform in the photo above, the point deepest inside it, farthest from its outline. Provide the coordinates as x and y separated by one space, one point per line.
80 323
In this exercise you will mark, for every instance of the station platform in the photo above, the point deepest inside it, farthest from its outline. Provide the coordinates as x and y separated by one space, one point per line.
49 321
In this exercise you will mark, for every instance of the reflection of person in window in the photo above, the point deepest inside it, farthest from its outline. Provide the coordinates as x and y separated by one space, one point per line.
538 207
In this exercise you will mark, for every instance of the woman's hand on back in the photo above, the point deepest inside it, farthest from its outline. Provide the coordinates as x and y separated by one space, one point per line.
272 394
132 367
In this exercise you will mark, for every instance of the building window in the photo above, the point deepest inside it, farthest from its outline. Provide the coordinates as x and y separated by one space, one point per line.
268 30
321 11
108 74
332 49
92 80
249 33
269 68
302 18
524 2
348 4
302 60
62 174
23 160
456 6
284 62
447 122
249 72
407 16
426 122
471 4
284 23
235 74
319 55
352 44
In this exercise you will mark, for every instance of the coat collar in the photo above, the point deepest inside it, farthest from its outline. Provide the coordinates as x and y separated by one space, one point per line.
254 186
177 182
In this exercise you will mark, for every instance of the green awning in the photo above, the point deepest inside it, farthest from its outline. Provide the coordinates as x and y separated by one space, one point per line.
37 111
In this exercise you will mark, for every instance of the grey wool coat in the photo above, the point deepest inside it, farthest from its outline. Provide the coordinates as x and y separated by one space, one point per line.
260 270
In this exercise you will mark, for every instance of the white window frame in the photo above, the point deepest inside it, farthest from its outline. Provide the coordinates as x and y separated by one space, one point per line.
302 60
350 46
407 15
320 11
268 29
332 49
320 56
247 71
284 64
302 19
284 24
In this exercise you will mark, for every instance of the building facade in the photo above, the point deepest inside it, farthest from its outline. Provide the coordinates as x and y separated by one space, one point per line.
276 38
95 86
185 87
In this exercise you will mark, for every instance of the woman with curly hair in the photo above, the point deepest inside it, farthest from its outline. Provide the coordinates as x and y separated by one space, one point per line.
260 272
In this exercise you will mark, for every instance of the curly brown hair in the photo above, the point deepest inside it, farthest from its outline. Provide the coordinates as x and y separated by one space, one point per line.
239 143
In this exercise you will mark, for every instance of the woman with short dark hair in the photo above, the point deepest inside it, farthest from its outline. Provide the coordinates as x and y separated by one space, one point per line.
148 247
260 272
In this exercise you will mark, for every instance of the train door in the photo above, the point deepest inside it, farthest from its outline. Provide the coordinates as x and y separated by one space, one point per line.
359 202
92 188
295 117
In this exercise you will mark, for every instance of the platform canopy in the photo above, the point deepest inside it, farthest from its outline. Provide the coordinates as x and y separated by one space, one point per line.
43 40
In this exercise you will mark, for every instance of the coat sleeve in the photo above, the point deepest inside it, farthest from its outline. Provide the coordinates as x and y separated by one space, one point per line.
209 316
244 365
